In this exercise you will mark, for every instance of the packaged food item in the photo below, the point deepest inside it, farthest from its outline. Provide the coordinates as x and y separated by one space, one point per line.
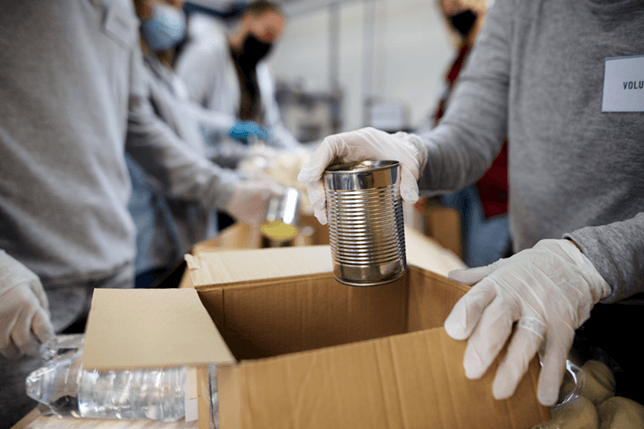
600 382
620 413
578 414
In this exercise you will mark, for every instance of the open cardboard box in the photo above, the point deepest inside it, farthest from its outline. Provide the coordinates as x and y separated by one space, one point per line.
296 349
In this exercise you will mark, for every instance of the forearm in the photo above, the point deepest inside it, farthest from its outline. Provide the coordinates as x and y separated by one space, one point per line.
155 146
194 67
211 120
617 251
463 146
181 171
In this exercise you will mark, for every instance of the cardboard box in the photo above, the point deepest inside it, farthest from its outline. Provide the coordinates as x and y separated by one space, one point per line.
296 349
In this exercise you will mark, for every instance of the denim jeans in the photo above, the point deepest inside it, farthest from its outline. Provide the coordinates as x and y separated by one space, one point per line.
485 240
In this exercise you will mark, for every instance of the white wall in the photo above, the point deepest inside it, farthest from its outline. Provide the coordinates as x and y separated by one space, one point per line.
412 53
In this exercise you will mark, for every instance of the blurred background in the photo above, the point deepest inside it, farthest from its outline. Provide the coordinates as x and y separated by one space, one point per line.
342 65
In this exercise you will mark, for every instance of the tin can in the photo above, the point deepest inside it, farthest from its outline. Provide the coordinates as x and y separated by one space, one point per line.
366 227
281 218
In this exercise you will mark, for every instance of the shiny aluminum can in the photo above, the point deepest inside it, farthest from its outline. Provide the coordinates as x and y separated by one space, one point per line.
282 216
366 226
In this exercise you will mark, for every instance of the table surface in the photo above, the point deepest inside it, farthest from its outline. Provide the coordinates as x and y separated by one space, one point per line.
34 420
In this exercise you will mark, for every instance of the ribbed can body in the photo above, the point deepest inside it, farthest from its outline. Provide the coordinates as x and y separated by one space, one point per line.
366 226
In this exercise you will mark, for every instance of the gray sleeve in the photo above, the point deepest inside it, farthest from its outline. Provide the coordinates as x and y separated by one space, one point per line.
212 120
163 155
617 252
196 66
464 144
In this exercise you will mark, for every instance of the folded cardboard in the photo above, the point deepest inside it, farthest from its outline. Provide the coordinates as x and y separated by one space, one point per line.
242 236
296 349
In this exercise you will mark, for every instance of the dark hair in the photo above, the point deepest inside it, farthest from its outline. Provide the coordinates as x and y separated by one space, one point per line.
262 6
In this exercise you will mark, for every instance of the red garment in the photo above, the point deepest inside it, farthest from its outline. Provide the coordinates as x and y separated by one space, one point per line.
493 185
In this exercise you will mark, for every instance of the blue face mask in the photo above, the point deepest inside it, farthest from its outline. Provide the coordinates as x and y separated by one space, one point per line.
165 28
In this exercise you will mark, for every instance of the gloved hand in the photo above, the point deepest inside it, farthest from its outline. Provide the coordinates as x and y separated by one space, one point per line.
250 199
241 130
361 145
24 311
549 290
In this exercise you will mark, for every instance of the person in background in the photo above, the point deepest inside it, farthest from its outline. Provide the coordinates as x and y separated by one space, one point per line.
72 94
225 71
483 206
553 77
167 226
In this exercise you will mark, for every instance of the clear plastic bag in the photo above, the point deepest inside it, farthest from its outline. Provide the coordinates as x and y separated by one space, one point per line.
578 379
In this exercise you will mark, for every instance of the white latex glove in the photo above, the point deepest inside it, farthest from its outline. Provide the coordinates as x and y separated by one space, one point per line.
24 310
549 290
250 199
361 145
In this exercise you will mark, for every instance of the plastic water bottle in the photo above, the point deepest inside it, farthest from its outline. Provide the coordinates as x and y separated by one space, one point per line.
214 397
64 389
150 394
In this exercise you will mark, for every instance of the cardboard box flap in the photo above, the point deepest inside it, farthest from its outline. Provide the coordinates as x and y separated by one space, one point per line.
148 328
233 266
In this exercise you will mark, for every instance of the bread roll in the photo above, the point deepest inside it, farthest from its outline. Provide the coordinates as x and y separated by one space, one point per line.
579 414
620 413
600 382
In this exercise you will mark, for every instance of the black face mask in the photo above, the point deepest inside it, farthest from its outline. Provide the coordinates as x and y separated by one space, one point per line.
463 22
253 51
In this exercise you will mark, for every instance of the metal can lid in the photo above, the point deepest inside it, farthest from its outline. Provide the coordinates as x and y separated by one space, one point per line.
361 175
367 165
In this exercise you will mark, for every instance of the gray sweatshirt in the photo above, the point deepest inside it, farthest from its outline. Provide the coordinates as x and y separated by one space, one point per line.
71 89
536 76
167 226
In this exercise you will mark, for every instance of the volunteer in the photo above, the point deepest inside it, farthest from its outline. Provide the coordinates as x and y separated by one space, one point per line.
71 92
483 206
562 81
225 71
167 226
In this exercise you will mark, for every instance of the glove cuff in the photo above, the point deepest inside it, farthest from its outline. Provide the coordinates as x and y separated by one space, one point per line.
14 274
419 145
600 288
